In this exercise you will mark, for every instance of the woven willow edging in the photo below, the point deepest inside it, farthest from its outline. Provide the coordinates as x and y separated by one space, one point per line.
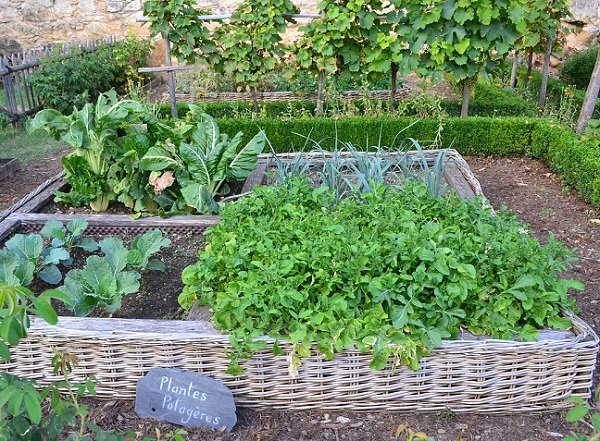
468 375
215 97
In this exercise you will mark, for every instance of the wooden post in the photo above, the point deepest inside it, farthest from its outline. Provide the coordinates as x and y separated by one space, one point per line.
544 87
393 86
515 67
171 76
589 102
464 109
529 66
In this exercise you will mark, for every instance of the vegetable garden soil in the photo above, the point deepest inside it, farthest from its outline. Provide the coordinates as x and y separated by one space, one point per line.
28 177
157 297
528 188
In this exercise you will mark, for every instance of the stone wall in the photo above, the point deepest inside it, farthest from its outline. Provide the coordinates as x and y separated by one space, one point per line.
33 23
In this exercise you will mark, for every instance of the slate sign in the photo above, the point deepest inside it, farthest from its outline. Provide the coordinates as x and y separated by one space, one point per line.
185 398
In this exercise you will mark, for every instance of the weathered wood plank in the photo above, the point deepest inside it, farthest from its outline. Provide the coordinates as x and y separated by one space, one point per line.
7 227
8 167
104 327
117 327
120 220
257 177
456 180
165 69
37 201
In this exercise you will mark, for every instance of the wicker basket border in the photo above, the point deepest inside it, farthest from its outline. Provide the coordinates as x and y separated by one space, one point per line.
467 375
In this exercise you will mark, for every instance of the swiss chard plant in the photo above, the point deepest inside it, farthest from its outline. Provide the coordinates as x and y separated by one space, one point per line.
201 163
392 271
94 131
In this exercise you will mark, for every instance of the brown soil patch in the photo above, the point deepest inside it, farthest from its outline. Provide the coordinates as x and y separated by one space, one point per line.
28 177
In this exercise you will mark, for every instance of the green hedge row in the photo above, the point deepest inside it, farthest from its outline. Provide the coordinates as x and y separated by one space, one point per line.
577 161
477 135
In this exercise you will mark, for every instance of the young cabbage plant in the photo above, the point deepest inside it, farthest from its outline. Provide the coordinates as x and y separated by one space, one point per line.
204 161
29 257
104 280
69 236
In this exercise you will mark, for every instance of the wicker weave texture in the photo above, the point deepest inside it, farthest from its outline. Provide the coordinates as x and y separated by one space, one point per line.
282 96
481 376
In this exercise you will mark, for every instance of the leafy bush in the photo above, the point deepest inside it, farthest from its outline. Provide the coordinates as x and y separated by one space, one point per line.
3 120
67 81
127 57
393 272
578 67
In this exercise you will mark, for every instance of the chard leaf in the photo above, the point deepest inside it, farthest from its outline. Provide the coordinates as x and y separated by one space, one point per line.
157 158
196 162
244 163
206 134
199 197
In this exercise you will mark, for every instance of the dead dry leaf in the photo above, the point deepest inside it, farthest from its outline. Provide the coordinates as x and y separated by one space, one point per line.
161 182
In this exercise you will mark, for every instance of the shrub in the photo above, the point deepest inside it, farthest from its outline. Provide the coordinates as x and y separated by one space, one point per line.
578 68
127 57
3 121
67 81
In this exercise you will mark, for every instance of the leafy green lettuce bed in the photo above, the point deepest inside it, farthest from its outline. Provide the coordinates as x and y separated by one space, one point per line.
392 272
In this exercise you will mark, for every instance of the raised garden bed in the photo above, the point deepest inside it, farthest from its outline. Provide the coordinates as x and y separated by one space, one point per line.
7 167
471 374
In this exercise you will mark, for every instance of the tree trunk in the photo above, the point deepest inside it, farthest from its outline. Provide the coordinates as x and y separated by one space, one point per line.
320 94
589 102
544 88
515 68
529 66
393 87
464 109
255 100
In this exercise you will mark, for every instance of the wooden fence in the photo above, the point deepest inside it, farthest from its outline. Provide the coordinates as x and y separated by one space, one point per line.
19 98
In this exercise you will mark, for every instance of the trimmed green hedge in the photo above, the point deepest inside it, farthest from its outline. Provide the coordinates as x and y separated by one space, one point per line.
576 160
483 136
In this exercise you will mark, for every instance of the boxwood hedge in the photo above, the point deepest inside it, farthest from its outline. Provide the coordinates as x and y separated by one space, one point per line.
576 160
